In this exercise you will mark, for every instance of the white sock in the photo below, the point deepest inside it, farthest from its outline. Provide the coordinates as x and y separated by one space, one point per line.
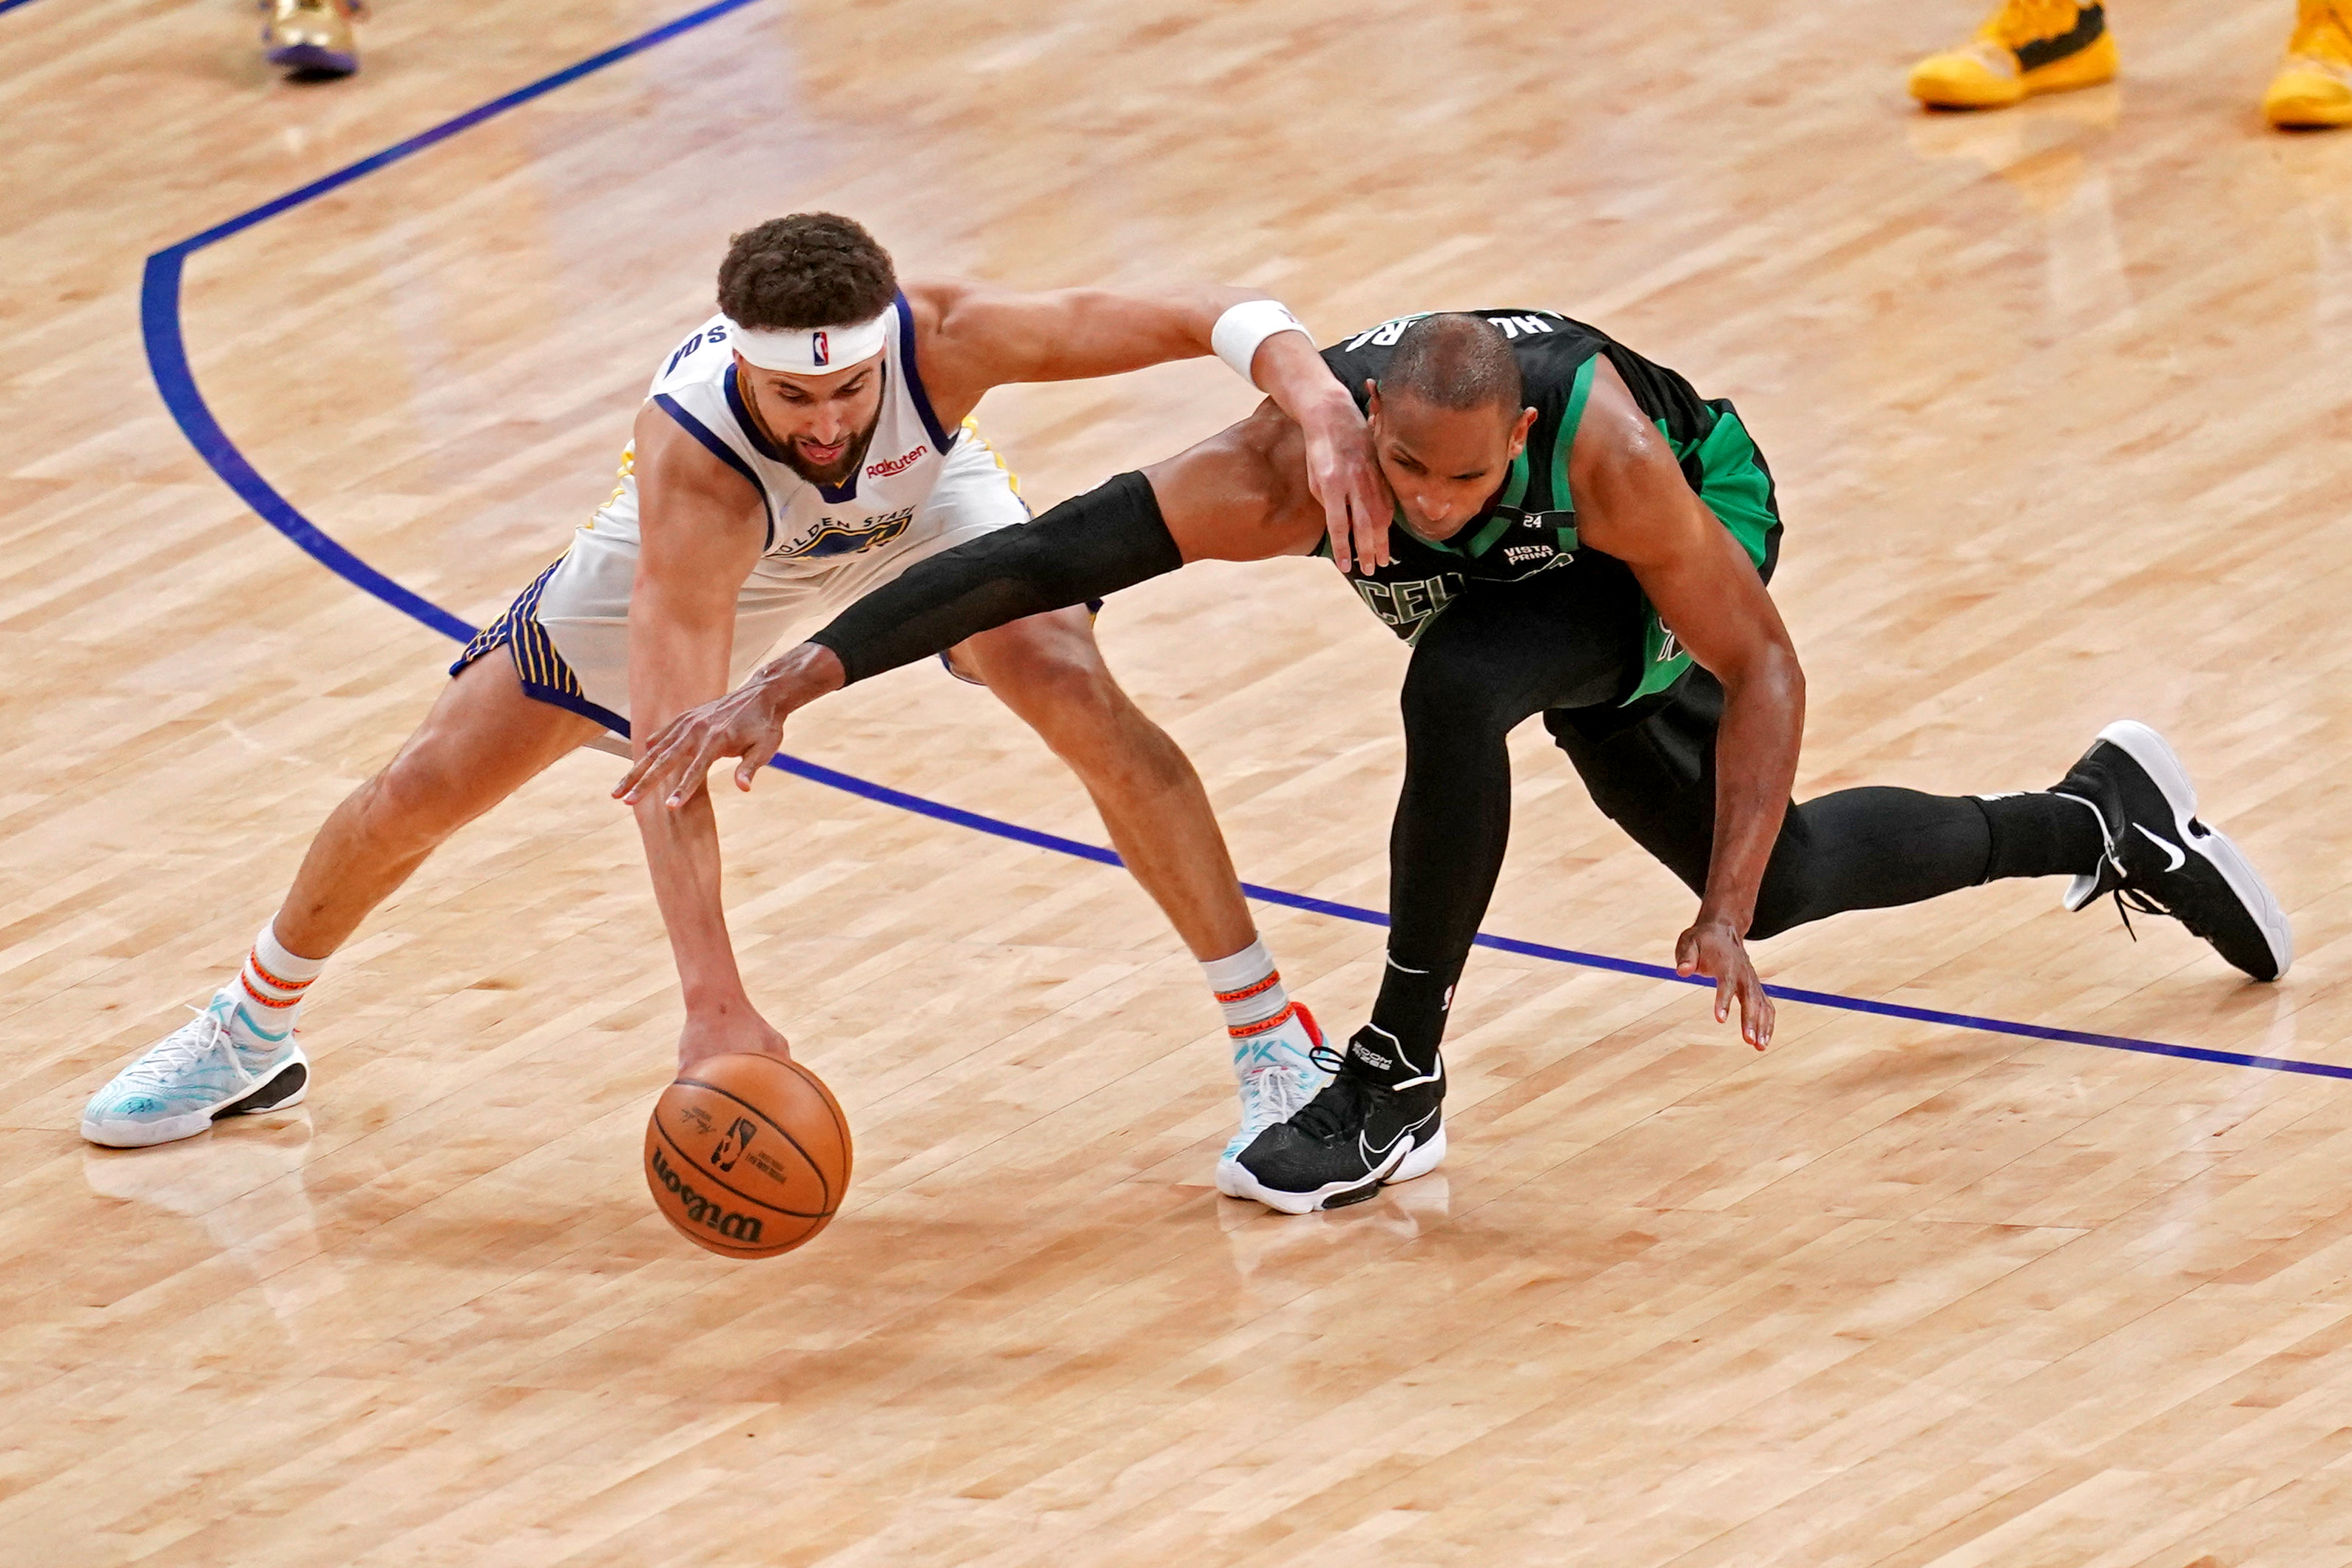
1249 993
269 992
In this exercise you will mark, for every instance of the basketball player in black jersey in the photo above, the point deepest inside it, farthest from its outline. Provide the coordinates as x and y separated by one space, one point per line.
1578 535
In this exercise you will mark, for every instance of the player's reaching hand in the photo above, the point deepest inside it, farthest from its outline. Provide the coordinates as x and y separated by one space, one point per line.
748 722
1712 949
1342 472
1345 477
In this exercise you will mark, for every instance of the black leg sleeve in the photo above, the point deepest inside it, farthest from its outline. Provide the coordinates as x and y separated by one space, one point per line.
1494 658
1874 848
1445 849
2042 834
1870 848
1088 547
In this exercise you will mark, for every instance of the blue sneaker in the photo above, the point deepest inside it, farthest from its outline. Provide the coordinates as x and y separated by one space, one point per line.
191 1080
1277 1075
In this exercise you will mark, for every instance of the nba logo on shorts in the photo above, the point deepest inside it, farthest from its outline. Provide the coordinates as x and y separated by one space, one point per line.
818 353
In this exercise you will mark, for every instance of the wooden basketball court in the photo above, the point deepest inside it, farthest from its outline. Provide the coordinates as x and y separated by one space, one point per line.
2061 406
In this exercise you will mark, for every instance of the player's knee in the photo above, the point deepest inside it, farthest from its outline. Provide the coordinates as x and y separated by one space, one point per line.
1785 900
412 803
1066 696
1078 709
1050 673
1448 696
1796 886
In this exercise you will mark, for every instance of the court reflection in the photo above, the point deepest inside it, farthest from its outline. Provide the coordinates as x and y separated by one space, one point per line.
242 1182
2053 154
2319 170
1273 1245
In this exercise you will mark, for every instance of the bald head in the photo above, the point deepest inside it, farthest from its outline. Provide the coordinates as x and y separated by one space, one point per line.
1446 421
1456 362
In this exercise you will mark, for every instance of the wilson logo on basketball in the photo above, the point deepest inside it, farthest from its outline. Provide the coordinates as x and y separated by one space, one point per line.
884 469
696 1209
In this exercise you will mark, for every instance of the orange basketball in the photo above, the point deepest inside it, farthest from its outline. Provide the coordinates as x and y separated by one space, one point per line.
748 1155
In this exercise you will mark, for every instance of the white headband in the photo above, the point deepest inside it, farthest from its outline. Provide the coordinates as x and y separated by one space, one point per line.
815 352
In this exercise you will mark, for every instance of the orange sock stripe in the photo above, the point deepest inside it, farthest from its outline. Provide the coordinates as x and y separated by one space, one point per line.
266 1000
254 959
1251 1031
1246 992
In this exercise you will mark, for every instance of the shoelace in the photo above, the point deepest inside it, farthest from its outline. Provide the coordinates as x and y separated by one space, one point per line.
2129 897
1270 1087
1341 1105
2022 22
183 1047
2139 901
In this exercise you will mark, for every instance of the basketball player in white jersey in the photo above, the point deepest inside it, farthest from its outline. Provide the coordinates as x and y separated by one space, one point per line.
797 450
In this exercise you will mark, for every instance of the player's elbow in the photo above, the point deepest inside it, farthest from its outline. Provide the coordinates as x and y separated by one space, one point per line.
1770 670
1765 667
1262 487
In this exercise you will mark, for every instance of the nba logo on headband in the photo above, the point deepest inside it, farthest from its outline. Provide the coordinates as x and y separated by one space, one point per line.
810 350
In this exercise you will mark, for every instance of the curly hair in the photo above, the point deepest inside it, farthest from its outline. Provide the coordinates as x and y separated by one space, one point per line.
805 272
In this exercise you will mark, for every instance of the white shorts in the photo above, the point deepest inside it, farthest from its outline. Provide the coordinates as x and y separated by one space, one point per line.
568 631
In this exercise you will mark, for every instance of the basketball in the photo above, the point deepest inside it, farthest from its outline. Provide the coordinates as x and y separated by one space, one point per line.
748 1155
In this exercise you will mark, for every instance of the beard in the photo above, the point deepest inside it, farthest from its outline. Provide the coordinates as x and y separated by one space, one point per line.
842 470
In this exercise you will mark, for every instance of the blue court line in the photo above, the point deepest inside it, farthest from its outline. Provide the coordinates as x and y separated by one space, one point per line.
167 357
816 773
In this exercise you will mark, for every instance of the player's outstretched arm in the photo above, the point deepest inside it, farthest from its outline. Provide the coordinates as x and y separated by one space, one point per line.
1239 496
983 337
1636 504
701 528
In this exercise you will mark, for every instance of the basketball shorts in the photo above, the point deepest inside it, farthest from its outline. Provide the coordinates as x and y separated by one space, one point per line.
568 633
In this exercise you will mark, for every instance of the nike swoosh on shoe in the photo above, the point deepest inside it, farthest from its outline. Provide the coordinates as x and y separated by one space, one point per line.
2178 856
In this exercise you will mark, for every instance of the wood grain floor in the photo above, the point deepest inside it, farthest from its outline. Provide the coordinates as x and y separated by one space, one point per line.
2060 403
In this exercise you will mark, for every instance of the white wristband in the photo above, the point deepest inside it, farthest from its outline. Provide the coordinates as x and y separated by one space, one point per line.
1240 331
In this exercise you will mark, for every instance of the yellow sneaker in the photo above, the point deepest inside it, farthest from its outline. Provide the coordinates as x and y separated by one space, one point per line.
2028 46
2313 87
309 38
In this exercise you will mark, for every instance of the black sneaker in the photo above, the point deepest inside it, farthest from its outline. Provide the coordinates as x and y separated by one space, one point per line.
2162 860
1356 1135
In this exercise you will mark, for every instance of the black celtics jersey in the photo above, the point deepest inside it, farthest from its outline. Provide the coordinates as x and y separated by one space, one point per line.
1529 528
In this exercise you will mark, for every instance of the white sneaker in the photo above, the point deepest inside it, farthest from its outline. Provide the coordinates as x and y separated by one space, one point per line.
197 1076
1278 1077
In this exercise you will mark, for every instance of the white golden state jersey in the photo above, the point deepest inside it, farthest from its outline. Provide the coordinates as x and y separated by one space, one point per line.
920 490
807 522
